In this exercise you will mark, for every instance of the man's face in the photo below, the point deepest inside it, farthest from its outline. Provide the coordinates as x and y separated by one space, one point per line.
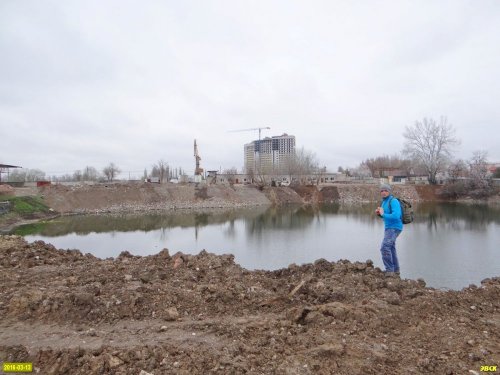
384 193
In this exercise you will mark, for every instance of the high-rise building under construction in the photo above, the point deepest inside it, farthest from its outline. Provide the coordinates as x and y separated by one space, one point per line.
271 155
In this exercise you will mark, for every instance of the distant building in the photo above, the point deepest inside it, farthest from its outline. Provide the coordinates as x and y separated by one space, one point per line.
249 157
270 155
492 168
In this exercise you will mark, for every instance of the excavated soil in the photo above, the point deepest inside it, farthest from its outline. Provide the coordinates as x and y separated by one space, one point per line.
127 197
70 313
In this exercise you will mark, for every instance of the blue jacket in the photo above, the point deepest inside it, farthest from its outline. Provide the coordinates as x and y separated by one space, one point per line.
392 216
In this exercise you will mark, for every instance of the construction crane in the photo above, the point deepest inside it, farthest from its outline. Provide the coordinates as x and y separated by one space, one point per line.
251 129
257 148
197 171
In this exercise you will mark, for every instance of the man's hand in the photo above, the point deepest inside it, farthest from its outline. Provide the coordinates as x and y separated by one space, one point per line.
379 211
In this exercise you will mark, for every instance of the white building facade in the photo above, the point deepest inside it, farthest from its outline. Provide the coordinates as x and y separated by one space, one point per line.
270 155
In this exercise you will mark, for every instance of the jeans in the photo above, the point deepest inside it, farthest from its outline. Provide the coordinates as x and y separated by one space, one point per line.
388 250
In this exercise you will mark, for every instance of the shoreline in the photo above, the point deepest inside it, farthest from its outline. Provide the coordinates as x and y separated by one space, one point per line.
68 312
137 198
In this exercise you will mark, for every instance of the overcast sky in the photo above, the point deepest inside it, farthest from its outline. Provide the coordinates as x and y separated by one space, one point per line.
85 83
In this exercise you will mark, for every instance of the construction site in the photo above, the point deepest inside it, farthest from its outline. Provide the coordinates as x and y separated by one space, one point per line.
172 313
65 312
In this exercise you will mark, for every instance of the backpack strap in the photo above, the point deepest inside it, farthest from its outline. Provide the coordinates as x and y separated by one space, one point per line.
400 204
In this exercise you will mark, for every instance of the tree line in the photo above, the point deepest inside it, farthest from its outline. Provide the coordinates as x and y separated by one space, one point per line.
428 150
89 173
160 170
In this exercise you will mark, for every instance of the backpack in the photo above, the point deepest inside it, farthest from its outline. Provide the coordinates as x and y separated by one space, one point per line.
407 215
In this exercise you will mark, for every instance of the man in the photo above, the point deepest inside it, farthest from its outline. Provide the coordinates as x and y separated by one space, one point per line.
393 227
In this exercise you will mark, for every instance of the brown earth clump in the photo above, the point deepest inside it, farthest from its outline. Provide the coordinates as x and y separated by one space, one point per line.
280 196
7 190
429 192
329 194
308 193
71 313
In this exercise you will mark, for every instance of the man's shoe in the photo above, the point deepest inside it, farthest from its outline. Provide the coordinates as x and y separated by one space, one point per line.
389 274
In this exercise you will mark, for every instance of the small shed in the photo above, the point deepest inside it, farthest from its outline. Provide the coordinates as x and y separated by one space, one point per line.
5 168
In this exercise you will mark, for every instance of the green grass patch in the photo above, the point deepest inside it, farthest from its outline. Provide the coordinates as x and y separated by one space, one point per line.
29 229
25 205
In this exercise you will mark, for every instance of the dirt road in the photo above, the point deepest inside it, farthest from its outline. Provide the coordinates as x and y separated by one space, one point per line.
70 313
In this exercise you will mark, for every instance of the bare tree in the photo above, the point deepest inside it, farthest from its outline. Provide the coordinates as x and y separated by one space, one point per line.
161 170
90 174
28 175
431 144
380 165
319 173
111 171
17 176
77 175
304 163
478 169
231 174
371 165
457 169
35 175
362 171
478 183
408 166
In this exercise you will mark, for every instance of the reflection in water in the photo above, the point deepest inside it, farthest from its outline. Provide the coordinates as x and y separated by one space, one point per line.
288 218
449 245
458 216
455 216
85 224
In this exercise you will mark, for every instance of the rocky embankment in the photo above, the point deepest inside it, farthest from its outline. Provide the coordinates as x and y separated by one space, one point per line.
122 197
71 313
145 197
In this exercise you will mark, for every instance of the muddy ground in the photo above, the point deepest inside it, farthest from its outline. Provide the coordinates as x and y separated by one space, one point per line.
71 313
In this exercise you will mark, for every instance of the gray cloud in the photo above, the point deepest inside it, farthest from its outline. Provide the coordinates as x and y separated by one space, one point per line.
87 83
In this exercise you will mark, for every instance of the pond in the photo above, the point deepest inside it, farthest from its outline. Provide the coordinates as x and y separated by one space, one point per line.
449 245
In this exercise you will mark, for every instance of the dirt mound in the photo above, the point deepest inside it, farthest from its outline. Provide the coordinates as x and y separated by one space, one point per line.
127 197
329 194
282 195
6 190
194 314
429 192
309 193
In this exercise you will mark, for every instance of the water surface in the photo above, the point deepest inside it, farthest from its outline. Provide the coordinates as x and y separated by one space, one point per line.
448 245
